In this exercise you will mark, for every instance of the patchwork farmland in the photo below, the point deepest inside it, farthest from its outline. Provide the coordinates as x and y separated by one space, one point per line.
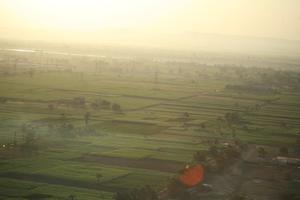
91 132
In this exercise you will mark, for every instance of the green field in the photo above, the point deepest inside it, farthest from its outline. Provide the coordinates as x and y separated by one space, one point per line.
163 122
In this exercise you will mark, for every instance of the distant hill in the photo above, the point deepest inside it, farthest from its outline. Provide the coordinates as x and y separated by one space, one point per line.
236 44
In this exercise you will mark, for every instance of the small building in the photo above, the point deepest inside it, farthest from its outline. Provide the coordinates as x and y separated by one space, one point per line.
281 160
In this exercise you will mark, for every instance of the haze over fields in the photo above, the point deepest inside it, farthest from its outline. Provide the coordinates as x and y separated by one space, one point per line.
149 99
257 26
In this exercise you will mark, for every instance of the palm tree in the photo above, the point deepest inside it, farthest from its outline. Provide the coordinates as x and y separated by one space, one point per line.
261 152
72 197
15 138
87 118
98 177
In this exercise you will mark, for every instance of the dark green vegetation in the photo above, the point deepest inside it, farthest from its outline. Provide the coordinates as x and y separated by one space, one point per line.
88 127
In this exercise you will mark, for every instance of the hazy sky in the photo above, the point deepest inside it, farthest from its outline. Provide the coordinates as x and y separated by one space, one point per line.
146 21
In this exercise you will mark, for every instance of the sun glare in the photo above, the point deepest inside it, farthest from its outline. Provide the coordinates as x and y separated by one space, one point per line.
88 14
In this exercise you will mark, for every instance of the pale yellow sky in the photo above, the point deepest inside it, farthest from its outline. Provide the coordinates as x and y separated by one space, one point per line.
146 21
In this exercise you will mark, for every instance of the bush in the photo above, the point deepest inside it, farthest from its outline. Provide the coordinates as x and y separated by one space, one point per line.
144 193
199 156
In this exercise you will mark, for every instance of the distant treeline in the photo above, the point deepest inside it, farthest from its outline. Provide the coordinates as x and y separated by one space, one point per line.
252 88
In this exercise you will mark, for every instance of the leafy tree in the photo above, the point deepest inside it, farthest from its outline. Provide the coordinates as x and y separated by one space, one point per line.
144 193
29 138
71 197
63 117
239 197
234 117
203 125
261 152
297 147
3 100
98 177
30 135
176 190
31 73
186 114
199 156
15 138
213 150
78 102
236 104
283 124
232 152
122 196
87 118
156 77
66 129
105 104
284 151
50 106
221 161
116 107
